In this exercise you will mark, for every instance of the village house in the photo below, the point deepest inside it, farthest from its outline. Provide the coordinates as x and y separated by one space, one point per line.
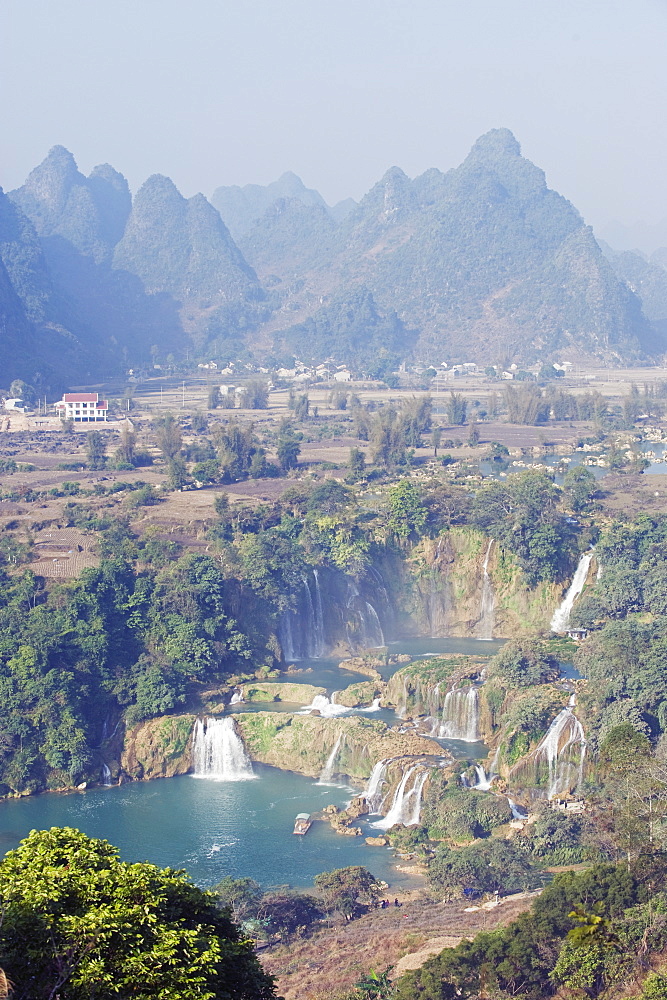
82 407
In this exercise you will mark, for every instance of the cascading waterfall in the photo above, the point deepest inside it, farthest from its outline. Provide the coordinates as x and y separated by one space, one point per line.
328 769
561 616
218 751
314 620
373 792
406 805
484 780
416 793
564 733
301 631
375 706
106 775
365 632
326 706
488 601
236 699
517 811
286 637
373 634
460 715
381 590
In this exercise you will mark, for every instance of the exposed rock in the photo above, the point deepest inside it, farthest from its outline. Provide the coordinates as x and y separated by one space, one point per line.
159 748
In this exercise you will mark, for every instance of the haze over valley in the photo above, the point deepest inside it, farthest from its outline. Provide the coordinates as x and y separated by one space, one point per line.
333 500
480 263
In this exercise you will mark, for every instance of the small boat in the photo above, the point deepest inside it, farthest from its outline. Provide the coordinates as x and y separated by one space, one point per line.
302 823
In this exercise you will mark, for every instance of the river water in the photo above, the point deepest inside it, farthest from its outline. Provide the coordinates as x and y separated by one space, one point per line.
238 828
210 828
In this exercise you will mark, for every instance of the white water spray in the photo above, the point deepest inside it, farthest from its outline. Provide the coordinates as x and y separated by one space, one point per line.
460 715
373 791
564 732
488 601
328 769
326 706
517 811
561 616
218 751
484 780
406 805
375 706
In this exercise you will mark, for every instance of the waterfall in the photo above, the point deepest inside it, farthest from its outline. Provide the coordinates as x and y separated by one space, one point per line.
381 590
365 630
484 780
487 604
561 616
301 631
237 698
413 818
517 812
460 715
372 630
564 732
218 751
328 769
327 707
406 805
375 706
308 622
373 790
286 637
106 775
318 620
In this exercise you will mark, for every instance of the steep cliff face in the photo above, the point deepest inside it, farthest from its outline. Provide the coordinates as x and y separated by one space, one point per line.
460 584
158 748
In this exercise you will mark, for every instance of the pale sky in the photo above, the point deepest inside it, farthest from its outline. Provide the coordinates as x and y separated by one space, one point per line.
216 92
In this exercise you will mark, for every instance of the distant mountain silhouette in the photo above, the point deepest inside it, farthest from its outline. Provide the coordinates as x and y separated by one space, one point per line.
483 263
240 207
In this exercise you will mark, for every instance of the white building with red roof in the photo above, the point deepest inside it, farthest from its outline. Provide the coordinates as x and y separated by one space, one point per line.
82 407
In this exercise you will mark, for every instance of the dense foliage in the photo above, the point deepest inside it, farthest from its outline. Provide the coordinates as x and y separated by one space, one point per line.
533 955
79 924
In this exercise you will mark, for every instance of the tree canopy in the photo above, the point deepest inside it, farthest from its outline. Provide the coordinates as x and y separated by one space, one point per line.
80 924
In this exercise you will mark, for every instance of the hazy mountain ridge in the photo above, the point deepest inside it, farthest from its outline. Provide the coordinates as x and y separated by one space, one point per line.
482 261
646 278
183 248
114 277
241 207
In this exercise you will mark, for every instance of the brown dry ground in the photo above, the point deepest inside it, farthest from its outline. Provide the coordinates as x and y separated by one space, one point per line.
334 959
184 516
634 494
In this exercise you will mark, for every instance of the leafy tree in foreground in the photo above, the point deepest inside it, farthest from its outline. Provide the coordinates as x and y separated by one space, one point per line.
81 925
